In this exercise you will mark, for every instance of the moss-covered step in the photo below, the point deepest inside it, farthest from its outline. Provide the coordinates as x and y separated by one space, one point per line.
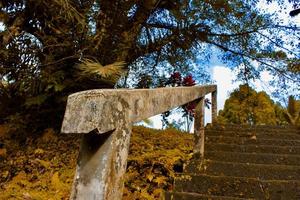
256 158
251 134
263 128
195 196
256 140
254 148
237 187
249 170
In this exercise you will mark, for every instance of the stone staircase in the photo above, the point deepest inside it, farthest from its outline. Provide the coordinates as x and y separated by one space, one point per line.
243 162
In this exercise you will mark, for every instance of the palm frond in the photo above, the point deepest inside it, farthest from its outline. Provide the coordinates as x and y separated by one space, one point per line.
112 71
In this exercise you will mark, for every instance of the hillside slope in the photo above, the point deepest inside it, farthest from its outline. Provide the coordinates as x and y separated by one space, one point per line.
42 167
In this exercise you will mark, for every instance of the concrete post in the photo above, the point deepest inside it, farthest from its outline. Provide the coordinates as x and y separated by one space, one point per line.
214 107
101 165
199 129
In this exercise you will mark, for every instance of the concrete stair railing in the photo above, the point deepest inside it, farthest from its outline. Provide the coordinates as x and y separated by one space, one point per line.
105 117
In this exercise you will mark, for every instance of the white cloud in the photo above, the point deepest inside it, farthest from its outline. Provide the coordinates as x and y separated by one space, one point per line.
224 79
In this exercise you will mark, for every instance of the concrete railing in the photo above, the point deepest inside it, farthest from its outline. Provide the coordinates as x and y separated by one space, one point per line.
105 118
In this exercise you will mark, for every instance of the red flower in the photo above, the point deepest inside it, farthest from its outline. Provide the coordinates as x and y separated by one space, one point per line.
188 81
175 79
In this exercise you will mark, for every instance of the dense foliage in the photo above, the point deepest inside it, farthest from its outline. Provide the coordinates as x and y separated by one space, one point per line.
43 167
246 106
50 49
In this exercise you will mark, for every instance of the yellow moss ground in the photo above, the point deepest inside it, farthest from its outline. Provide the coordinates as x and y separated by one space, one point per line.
43 167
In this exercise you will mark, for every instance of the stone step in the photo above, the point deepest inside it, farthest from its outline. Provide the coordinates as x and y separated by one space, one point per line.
249 170
238 187
250 140
295 150
195 196
256 158
274 128
249 134
250 131
295 131
255 128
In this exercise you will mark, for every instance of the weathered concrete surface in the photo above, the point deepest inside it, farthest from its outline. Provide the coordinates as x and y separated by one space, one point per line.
105 117
99 109
214 107
101 165
199 129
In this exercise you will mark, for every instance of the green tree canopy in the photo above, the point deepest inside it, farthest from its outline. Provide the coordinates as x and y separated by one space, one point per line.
50 49
246 106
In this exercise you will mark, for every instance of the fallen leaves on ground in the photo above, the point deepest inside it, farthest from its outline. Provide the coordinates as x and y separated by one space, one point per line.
43 167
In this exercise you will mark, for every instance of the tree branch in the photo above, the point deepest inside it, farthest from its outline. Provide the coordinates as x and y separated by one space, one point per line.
286 27
250 57
196 28
60 60
278 45
144 10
